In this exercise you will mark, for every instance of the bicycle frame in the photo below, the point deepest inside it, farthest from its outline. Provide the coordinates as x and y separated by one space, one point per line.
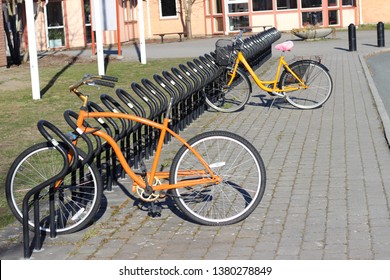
262 84
207 175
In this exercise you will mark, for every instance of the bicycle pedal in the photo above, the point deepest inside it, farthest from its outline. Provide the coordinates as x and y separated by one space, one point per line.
154 210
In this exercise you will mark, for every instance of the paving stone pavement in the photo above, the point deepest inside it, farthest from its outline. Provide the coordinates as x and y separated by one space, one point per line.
328 182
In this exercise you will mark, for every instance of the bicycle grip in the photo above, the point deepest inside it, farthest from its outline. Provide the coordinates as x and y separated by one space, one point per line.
109 78
104 83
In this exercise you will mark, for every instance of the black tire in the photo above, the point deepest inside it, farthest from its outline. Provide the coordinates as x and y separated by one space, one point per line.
225 98
317 79
77 199
243 179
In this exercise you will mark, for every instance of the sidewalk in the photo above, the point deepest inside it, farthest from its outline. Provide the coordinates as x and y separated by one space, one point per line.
328 179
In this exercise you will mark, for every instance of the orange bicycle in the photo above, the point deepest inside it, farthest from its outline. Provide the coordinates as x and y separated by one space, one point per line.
216 178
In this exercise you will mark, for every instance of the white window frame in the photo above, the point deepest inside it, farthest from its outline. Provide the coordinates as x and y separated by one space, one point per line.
47 27
231 2
167 17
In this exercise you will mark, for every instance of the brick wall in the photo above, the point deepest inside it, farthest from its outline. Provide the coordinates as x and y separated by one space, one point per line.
375 11
3 54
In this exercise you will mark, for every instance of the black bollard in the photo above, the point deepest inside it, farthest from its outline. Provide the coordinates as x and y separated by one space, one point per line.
381 34
352 37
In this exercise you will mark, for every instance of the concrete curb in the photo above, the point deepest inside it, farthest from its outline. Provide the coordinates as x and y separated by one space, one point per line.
378 100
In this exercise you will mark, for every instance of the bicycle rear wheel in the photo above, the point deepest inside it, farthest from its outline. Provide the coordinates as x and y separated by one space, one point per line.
239 165
225 98
77 199
317 79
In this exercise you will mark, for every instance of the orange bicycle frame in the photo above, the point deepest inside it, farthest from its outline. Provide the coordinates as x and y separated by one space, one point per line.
211 178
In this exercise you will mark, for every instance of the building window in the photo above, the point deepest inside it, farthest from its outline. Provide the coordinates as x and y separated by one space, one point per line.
218 24
168 8
333 17
312 18
217 7
238 6
88 27
236 23
348 2
55 24
311 3
333 3
262 5
287 4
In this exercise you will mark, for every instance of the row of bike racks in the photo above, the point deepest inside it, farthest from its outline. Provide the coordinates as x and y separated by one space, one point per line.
184 85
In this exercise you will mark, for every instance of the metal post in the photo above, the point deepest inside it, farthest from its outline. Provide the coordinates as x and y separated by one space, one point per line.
381 34
99 35
141 24
352 37
32 46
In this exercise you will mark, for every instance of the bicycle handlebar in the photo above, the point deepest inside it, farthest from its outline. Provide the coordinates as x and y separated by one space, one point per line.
109 78
101 80
238 41
104 83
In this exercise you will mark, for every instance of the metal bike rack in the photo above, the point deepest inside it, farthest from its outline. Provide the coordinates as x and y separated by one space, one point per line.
43 127
184 84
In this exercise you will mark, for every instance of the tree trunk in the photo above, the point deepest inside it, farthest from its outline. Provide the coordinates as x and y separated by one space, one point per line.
14 16
188 18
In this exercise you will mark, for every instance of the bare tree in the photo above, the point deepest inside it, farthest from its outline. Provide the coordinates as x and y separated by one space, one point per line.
187 5
13 28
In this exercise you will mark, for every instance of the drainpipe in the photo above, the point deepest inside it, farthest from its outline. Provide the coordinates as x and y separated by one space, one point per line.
360 12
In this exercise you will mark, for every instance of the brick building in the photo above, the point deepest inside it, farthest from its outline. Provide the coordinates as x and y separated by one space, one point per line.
3 53
69 23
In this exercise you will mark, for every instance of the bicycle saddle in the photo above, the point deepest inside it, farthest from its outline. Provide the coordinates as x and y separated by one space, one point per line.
285 46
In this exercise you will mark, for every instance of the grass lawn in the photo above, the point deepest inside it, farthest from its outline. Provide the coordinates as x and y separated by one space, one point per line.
20 113
372 26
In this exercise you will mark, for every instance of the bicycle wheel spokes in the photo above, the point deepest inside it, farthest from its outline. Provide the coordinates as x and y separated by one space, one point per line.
224 98
76 199
317 85
243 179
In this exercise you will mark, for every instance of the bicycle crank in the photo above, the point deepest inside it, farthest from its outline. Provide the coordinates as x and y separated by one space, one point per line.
144 195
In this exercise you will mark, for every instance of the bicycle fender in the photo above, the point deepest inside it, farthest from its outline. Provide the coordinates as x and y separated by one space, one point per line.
311 61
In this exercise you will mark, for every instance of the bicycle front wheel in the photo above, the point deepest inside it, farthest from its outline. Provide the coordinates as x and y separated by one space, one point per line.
77 198
227 99
239 165
317 87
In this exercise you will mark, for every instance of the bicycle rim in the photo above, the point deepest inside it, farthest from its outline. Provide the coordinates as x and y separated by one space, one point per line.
242 172
318 81
225 98
76 199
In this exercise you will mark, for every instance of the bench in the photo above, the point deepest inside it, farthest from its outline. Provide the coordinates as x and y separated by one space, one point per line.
169 33
257 26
